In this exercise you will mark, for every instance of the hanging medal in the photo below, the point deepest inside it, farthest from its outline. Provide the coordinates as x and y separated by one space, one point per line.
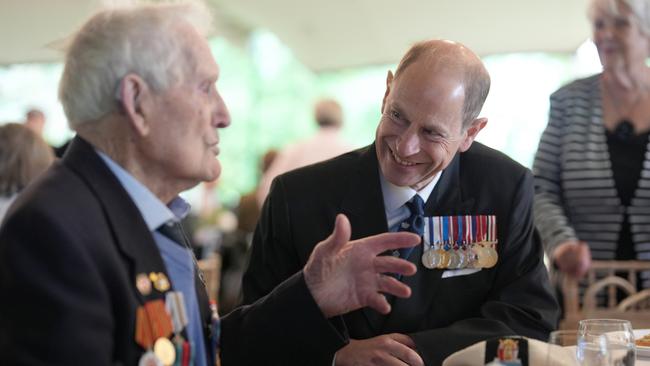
491 242
430 257
443 251
175 306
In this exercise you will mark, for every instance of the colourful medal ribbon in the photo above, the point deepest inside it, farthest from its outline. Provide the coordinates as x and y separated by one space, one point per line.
143 334
159 319
175 306
216 331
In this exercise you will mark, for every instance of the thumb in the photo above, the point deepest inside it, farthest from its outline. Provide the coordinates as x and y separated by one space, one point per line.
341 234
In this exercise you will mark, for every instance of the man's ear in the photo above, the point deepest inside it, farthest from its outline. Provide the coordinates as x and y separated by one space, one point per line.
133 95
471 133
389 81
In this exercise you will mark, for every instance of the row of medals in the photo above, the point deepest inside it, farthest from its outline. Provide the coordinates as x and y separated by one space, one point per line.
476 255
163 352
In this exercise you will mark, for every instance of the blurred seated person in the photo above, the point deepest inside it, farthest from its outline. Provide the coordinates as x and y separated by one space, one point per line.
23 156
325 144
592 168
248 211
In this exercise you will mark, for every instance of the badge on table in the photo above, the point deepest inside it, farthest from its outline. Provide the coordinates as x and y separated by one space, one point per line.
506 351
457 242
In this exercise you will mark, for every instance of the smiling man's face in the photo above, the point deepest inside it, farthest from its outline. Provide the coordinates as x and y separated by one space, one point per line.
421 126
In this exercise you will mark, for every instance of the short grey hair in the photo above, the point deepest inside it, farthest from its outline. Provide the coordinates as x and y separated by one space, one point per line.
476 78
141 39
639 8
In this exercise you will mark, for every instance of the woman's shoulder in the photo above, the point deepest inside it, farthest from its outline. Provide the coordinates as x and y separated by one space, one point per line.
579 87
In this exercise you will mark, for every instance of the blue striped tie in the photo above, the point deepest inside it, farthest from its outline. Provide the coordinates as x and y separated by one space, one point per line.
413 223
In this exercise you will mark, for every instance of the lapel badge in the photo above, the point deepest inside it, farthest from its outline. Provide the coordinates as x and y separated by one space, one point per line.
143 284
160 281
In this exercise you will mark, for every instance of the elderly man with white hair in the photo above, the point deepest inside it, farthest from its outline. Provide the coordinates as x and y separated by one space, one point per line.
94 266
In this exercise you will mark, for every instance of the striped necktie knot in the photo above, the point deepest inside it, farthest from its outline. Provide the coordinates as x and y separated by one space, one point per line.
414 223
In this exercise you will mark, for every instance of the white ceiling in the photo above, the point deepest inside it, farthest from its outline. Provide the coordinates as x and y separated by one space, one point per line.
332 34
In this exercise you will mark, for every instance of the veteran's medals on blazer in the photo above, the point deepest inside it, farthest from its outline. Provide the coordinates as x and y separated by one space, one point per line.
158 320
457 242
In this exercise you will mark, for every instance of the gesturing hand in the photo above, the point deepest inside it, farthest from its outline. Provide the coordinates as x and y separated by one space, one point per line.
344 275
388 349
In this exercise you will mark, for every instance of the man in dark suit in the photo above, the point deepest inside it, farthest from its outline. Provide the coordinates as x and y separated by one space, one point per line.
94 267
424 152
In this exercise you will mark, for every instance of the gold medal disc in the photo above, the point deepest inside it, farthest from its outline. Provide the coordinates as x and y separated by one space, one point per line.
492 257
430 259
165 351
454 259
444 259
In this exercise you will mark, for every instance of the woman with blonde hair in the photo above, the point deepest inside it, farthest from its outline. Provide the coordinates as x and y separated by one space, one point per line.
592 168
23 156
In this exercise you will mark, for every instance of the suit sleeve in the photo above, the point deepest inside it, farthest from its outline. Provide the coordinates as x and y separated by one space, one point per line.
550 215
55 309
520 301
286 327
280 312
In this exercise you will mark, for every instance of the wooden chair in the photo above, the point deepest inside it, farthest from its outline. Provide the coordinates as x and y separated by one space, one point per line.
211 268
604 279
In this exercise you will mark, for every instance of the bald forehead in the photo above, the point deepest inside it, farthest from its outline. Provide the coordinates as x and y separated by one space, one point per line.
439 55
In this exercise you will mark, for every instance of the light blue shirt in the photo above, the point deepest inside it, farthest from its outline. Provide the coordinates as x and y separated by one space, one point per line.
178 259
395 199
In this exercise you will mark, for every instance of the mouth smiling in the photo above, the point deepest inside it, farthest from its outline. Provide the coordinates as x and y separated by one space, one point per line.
399 161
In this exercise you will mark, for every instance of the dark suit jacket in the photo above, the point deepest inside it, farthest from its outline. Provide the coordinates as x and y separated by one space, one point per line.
442 315
70 249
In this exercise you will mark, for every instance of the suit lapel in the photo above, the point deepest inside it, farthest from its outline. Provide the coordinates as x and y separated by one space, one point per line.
130 232
364 206
446 199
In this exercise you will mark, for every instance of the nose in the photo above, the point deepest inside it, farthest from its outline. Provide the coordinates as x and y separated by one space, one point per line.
221 115
408 143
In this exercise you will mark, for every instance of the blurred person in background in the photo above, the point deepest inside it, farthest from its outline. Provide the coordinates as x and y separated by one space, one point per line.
248 211
23 157
325 144
35 121
592 167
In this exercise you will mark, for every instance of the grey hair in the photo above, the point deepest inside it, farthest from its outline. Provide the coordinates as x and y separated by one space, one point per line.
140 39
476 78
639 8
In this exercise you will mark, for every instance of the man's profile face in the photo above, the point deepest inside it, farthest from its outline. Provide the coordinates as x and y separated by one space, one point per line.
185 139
420 129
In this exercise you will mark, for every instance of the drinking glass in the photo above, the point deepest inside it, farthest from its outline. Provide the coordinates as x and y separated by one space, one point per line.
605 342
561 348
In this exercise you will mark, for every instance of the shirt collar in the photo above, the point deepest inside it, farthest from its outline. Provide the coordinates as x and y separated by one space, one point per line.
396 196
153 211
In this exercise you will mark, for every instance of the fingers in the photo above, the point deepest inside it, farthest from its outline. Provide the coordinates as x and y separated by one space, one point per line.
390 264
403 339
390 285
378 302
339 237
405 352
383 242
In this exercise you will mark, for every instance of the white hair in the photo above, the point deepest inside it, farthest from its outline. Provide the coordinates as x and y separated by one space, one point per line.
639 8
140 39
